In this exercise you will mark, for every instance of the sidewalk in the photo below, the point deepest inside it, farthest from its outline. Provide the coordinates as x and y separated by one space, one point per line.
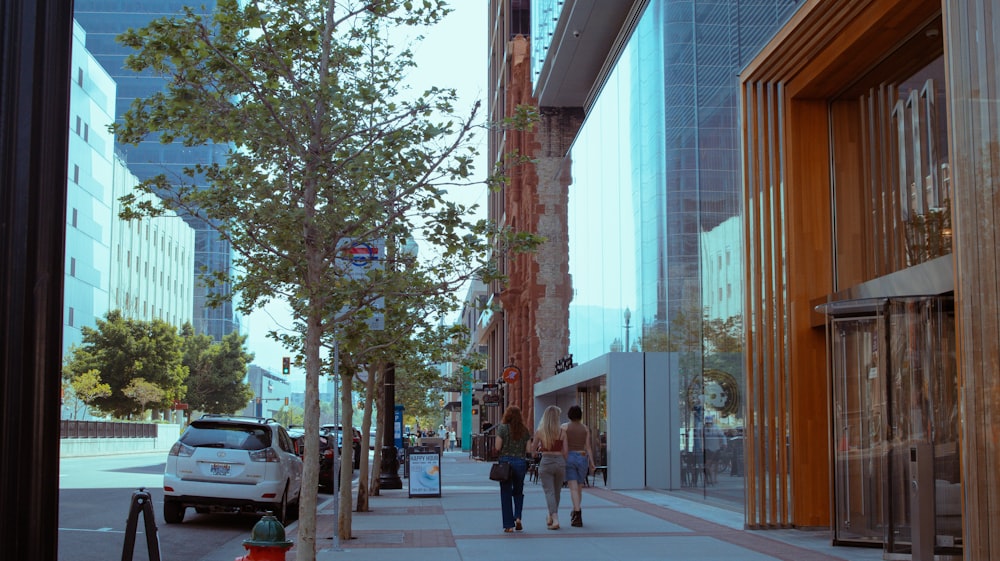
464 524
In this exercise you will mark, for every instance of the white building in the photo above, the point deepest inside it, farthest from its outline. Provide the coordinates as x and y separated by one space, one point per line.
144 267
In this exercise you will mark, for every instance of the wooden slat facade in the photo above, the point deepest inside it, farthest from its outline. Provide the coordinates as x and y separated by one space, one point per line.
972 51
806 237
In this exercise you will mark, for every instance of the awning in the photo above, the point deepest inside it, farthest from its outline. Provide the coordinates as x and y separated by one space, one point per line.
453 406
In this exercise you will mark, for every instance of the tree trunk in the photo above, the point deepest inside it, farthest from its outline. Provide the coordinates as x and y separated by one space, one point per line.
347 413
306 546
373 487
366 427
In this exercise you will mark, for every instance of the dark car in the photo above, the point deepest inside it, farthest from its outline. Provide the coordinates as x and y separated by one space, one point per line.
329 430
325 453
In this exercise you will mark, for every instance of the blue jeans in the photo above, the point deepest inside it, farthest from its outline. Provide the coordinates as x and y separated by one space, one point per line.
512 490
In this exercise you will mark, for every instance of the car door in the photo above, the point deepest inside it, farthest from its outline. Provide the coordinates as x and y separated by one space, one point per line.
291 460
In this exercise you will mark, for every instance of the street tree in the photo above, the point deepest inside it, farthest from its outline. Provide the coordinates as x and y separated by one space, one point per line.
413 303
83 388
121 350
143 393
216 371
328 149
289 415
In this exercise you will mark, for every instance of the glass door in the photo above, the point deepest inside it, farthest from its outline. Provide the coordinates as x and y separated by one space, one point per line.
924 396
859 400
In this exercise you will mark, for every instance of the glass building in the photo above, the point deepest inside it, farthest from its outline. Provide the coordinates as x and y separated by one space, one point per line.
103 21
654 210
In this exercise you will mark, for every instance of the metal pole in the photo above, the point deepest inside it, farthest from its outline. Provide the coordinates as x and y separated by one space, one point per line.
336 451
389 476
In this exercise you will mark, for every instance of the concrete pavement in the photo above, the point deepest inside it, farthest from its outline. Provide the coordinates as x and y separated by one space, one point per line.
464 524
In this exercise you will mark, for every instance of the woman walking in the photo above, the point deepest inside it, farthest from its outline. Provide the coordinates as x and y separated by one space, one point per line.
579 460
551 443
512 444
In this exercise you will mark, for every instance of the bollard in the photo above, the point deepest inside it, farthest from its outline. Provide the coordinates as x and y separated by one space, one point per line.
267 541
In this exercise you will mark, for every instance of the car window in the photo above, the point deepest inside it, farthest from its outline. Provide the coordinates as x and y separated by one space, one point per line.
284 441
230 436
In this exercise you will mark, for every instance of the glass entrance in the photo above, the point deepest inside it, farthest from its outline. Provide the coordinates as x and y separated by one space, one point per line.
895 409
923 448
859 417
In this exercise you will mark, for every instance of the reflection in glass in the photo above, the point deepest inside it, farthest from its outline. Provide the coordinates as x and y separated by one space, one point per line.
655 223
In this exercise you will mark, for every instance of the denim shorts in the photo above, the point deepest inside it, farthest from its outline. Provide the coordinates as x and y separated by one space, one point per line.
577 467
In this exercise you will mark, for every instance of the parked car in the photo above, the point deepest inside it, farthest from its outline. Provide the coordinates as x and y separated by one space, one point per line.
298 436
355 443
232 464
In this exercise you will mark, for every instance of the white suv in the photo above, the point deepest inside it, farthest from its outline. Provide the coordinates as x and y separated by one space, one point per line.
233 464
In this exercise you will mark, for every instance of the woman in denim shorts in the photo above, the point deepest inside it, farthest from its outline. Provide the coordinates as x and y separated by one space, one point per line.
579 461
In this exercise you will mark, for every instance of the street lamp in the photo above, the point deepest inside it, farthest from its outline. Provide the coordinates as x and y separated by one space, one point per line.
389 468
628 321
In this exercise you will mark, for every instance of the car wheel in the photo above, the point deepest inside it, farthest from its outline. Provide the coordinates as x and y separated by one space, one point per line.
173 513
282 514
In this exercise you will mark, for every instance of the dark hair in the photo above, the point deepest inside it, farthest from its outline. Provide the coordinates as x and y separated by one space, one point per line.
574 413
512 418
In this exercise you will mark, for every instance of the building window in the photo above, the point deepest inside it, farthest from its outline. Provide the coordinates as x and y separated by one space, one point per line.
86 132
79 76
70 319
76 174
79 122
74 217
72 266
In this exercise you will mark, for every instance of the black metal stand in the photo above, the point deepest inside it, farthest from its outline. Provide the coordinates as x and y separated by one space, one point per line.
141 502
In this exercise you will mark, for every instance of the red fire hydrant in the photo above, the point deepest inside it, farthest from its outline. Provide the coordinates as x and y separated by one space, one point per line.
267 541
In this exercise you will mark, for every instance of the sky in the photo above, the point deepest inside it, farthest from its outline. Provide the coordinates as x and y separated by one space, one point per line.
453 54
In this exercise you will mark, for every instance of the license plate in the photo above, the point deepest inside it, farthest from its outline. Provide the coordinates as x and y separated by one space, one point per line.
220 469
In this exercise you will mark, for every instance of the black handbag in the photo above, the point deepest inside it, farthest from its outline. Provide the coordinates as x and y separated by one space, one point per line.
500 471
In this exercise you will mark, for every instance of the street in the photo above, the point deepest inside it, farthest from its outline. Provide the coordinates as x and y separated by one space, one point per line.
95 495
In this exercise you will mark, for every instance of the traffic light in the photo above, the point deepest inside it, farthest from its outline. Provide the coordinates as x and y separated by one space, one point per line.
286 366
286 402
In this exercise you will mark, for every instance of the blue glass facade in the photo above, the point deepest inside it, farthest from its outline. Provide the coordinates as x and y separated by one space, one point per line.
103 20
654 206
657 166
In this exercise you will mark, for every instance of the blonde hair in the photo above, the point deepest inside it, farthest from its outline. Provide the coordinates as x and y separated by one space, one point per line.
548 426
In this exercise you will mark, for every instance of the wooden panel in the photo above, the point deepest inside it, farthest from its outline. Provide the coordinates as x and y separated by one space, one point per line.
829 44
753 162
972 49
810 277
853 206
